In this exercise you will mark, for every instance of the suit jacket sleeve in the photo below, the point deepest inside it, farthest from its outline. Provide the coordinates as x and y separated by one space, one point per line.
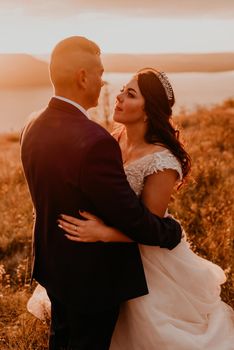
105 184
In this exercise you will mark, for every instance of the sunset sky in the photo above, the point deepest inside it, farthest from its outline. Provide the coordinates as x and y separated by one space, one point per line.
119 25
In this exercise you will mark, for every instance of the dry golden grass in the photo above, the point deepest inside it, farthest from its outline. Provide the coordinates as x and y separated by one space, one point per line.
19 329
204 207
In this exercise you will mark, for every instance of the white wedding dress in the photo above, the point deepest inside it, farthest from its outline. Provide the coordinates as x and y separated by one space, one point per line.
183 310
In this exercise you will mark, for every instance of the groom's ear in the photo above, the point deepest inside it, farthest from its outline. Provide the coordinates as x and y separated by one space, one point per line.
81 78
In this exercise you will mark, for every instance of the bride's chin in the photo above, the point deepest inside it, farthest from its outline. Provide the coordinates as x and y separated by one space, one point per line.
117 118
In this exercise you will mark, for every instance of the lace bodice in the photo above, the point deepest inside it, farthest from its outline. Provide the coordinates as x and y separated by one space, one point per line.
138 170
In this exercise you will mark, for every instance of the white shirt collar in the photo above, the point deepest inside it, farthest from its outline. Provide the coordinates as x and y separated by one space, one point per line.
77 105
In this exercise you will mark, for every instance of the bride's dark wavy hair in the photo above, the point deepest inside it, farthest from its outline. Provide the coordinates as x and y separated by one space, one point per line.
159 100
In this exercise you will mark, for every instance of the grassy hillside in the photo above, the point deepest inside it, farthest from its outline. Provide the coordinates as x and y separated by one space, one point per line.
204 206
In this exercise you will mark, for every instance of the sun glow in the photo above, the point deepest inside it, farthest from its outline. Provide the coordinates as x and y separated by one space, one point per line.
20 32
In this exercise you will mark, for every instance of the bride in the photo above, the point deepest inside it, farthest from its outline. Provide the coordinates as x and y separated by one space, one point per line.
183 310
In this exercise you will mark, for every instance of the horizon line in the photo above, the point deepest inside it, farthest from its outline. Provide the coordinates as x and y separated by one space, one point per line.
128 53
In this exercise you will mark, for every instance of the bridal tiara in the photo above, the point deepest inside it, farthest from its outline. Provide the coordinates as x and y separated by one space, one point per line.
163 80
166 84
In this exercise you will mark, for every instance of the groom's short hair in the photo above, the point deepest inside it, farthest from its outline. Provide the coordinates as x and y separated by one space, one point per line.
68 47
75 43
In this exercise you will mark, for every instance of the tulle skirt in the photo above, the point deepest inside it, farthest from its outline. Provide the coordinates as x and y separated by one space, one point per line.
183 310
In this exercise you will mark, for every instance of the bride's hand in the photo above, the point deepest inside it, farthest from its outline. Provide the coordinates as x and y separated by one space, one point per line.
90 230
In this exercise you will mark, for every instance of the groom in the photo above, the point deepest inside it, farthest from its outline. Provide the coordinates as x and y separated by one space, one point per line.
71 163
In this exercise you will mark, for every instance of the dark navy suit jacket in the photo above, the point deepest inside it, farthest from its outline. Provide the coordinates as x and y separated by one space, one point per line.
72 163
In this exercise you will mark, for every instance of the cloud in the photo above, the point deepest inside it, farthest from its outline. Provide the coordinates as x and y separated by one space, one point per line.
154 8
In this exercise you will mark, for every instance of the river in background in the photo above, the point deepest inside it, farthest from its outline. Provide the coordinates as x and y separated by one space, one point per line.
191 90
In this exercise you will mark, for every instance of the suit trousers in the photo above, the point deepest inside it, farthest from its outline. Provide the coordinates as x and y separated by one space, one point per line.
74 330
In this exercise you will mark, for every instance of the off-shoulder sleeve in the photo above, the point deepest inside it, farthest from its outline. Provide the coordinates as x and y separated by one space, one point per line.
104 184
160 161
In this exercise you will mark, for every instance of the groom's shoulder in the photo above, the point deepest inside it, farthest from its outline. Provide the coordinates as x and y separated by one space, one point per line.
31 120
98 133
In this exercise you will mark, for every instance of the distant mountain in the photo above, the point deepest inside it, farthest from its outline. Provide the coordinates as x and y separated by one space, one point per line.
212 62
22 70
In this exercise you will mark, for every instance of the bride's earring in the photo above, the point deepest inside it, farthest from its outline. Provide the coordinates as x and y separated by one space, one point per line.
145 119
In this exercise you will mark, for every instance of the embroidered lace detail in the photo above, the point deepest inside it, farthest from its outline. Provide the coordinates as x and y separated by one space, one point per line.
139 169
